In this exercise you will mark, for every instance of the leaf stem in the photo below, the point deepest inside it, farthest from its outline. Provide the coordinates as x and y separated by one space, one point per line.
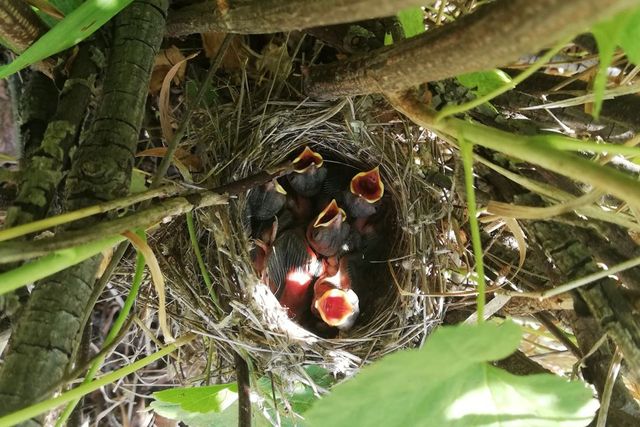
466 149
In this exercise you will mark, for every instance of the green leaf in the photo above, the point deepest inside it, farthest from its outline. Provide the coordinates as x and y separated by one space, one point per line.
173 411
449 383
138 182
77 26
623 30
303 396
412 21
630 36
213 398
482 83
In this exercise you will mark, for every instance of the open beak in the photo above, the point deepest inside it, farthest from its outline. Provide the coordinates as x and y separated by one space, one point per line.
331 215
307 159
279 187
368 185
334 307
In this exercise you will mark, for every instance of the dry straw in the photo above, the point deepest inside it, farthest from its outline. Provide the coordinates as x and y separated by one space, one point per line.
241 138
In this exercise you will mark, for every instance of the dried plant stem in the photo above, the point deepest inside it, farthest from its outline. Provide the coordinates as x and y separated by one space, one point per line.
178 205
43 224
574 284
605 400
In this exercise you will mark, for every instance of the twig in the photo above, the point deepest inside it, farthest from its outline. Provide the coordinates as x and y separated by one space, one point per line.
244 391
17 251
578 282
544 318
605 400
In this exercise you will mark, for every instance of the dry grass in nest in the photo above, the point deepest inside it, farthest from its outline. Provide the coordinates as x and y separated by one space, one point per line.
236 143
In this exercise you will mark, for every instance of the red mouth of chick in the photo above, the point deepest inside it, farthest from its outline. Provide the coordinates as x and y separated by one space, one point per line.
368 185
334 307
330 215
307 159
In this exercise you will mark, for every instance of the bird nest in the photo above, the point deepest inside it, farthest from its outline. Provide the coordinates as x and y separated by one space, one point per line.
239 312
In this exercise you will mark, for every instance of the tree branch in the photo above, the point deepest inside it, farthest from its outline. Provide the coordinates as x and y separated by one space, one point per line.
495 35
273 16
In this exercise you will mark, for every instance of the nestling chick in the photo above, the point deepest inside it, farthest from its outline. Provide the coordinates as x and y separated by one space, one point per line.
365 191
266 201
291 266
329 231
336 306
308 173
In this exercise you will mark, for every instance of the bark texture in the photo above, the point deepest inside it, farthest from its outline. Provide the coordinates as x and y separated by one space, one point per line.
495 35
19 25
272 16
43 169
47 335
37 105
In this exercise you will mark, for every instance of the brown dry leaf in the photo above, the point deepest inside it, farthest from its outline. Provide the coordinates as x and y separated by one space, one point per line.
163 101
193 162
165 59
235 55
47 8
515 229
157 278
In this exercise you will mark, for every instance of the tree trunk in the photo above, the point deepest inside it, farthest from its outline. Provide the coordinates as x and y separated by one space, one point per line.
46 338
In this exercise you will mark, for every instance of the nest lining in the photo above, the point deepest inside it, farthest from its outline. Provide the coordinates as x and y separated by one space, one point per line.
241 143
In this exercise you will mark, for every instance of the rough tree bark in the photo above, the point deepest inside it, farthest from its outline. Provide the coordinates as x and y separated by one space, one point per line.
19 25
271 16
495 35
37 105
45 340
43 169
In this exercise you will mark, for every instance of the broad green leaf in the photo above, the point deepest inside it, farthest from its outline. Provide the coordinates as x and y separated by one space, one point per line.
213 398
484 82
303 396
173 411
77 26
412 21
622 30
630 36
448 383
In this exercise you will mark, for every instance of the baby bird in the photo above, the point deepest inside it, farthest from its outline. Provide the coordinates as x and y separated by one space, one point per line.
291 266
365 191
308 173
265 202
337 307
329 231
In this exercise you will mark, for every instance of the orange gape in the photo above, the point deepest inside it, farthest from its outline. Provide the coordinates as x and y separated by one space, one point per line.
329 231
308 173
365 192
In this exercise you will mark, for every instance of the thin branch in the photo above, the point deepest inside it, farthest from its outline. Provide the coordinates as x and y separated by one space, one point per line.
17 251
273 16
497 34
244 391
